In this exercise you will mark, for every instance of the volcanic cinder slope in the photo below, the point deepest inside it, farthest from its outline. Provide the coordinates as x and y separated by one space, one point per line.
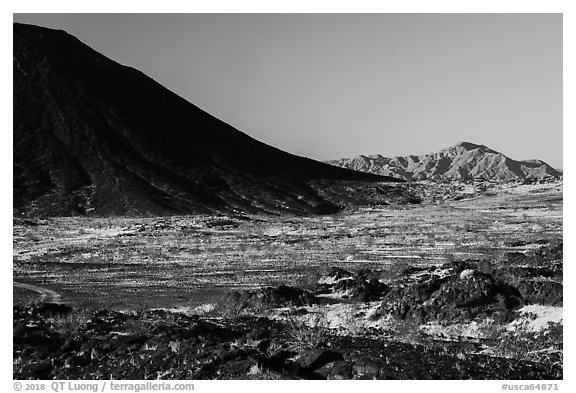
462 161
94 137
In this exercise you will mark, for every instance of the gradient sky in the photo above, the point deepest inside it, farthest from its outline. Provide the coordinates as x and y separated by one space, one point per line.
337 85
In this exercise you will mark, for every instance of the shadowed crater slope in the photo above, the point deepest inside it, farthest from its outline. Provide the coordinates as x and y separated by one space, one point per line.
94 137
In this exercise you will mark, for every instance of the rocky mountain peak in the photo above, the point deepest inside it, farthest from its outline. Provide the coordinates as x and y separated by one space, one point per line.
471 146
464 160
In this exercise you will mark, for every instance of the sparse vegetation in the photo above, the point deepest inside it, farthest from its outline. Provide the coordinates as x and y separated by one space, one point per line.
312 333
541 346
343 277
71 322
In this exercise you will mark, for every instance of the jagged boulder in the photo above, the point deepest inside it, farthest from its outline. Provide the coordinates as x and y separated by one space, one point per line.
460 292
362 285
270 297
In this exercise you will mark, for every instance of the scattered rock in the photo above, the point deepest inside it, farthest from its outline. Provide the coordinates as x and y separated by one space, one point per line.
52 341
196 348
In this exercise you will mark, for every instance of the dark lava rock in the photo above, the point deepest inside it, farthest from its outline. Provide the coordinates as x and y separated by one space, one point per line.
542 292
370 290
539 273
229 364
199 348
412 269
278 362
40 370
237 368
263 345
381 359
71 344
52 309
461 293
39 336
336 370
297 311
269 297
337 273
362 285
315 358
368 368
550 253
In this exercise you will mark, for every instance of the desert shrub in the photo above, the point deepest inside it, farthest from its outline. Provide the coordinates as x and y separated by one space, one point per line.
71 322
228 307
307 334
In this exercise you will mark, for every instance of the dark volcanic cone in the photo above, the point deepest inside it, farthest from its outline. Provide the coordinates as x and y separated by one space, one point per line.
94 137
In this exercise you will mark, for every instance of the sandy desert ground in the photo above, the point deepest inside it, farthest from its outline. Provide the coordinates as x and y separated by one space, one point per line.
189 266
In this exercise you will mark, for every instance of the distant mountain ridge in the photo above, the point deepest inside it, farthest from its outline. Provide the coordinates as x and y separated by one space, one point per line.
464 160
93 137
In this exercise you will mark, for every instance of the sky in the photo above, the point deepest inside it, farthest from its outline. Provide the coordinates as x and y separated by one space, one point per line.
328 86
